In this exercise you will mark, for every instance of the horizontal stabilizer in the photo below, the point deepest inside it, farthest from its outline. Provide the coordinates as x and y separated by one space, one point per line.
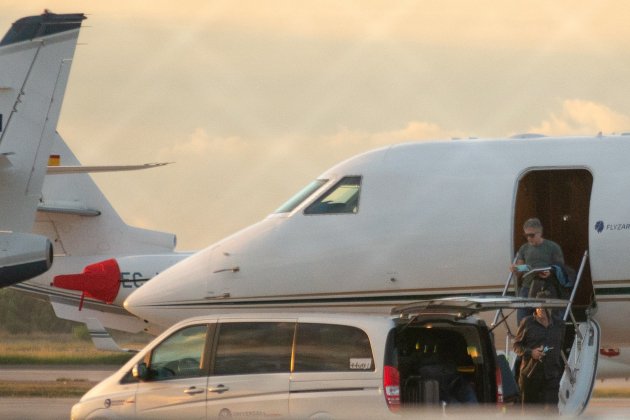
48 23
67 207
60 170
102 339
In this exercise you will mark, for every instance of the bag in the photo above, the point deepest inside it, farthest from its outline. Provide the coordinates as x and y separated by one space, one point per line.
566 275
430 391
531 380
549 284
419 390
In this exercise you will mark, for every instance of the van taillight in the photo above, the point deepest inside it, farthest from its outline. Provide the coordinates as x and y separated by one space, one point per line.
391 385
499 379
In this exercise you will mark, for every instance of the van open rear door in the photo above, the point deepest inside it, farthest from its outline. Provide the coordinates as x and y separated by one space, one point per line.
464 306
577 382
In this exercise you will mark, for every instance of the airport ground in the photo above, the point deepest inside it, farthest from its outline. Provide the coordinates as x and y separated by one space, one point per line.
59 408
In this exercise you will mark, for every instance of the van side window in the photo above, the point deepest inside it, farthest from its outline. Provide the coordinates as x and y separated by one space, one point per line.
343 197
258 347
332 348
180 355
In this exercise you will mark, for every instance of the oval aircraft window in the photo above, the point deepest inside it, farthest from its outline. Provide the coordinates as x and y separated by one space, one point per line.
343 197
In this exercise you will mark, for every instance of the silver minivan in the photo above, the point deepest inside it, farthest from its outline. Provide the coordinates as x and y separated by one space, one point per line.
309 365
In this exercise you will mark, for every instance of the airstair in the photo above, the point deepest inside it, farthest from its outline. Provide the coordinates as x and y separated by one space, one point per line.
580 351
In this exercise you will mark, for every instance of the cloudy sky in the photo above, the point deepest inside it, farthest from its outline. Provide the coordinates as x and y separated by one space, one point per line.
253 99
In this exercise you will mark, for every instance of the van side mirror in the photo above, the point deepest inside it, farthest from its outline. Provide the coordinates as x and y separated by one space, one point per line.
140 371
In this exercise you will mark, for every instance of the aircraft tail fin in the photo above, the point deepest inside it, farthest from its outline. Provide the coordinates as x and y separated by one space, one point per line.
80 221
35 58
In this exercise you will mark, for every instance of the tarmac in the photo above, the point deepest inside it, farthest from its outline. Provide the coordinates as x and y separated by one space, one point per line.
37 408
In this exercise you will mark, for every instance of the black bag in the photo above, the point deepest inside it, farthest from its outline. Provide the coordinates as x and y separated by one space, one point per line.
419 390
530 381
549 284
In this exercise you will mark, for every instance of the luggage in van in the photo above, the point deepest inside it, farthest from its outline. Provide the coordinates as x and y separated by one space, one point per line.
419 390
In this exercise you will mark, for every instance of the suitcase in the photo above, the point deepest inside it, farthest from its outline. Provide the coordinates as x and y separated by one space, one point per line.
421 391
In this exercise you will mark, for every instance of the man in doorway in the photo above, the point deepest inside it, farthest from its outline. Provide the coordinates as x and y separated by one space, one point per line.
538 342
537 252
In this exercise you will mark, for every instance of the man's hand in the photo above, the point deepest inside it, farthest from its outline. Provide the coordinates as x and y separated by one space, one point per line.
538 353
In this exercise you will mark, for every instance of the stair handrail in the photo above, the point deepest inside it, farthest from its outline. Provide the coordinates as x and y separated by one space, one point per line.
575 286
505 289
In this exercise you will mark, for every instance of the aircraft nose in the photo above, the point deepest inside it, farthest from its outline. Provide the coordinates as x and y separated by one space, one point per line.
136 301
158 298
171 294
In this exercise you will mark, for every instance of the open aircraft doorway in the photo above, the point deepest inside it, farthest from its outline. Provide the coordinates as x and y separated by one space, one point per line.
560 198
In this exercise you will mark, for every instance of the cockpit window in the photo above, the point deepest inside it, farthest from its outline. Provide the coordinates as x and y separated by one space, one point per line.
301 196
343 197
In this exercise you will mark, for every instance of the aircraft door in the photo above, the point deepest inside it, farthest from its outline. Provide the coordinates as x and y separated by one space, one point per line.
560 198
578 380
227 272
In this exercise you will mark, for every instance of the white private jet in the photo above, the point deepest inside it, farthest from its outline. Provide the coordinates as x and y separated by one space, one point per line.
418 221
35 58
425 220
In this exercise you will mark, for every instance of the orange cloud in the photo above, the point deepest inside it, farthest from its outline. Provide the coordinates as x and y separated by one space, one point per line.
580 117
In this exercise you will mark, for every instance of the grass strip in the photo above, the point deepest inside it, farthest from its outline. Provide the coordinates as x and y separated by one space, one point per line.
58 349
117 359
60 388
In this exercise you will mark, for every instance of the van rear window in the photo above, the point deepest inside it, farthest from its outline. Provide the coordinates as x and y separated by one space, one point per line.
332 348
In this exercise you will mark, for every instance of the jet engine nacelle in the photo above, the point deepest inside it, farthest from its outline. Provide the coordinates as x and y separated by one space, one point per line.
111 281
23 256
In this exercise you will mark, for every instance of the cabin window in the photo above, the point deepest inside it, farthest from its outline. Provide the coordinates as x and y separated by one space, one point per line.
343 197
298 198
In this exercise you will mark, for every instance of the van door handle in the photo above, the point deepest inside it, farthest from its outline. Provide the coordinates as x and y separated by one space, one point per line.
193 390
219 389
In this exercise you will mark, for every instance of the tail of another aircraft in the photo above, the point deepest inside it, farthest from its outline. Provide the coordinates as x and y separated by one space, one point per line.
65 207
35 57
80 221
86 230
